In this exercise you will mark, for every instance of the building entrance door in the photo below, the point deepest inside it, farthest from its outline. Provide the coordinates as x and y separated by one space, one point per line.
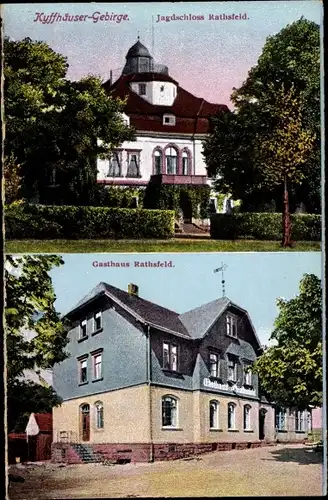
262 413
85 422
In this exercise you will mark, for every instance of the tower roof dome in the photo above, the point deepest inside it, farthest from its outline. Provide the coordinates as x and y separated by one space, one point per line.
138 50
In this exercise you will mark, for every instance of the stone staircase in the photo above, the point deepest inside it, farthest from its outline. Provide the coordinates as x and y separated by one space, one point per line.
86 453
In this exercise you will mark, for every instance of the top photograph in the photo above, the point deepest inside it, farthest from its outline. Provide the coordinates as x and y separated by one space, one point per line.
162 127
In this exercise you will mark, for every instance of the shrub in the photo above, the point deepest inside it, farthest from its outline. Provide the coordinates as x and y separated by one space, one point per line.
70 222
264 226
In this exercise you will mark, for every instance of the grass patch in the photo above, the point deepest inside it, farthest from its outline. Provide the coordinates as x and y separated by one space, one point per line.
173 245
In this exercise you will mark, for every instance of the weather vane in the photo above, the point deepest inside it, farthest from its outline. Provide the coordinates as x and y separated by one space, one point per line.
222 269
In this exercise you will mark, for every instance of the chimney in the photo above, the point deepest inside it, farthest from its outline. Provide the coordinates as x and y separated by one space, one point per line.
133 289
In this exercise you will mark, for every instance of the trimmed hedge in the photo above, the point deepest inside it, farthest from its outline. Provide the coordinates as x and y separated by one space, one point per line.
70 222
264 226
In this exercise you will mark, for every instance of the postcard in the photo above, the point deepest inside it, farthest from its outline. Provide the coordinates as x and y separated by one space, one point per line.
163 127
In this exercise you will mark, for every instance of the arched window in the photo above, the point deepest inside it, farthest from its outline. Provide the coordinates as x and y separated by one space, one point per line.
214 414
158 162
169 411
185 163
85 421
99 415
247 417
171 158
231 416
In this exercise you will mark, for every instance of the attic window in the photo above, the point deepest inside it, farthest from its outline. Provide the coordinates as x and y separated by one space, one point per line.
168 120
142 89
231 322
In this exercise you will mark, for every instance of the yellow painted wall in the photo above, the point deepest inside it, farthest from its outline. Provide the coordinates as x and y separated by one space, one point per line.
126 416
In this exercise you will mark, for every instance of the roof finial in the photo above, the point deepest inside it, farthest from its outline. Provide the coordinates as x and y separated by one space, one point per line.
138 37
222 269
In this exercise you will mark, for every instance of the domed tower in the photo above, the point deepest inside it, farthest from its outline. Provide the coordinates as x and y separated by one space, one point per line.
138 60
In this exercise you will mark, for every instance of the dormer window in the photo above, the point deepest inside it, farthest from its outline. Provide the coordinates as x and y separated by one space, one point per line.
231 323
168 120
142 89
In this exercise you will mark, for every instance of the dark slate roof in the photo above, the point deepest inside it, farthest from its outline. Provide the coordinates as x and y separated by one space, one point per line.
198 321
138 50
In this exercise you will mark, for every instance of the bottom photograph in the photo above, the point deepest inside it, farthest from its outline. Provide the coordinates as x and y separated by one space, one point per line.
164 375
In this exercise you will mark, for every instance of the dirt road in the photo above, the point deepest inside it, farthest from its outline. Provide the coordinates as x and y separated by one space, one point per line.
281 470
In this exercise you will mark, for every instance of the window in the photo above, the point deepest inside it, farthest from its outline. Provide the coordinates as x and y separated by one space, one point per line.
142 89
168 120
144 65
214 365
170 356
97 321
161 89
231 326
99 415
214 415
185 163
247 375
247 417
133 165
97 366
231 416
157 162
114 165
169 411
171 161
299 421
83 371
232 369
83 329
280 419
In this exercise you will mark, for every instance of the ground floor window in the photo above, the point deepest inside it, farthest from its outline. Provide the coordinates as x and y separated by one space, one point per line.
300 421
114 165
247 417
133 161
171 161
280 419
214 415
99 415
169 411
231 416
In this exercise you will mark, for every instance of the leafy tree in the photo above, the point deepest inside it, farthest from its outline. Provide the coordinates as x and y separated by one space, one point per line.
13 180
291 370
57 128
289 59
36 336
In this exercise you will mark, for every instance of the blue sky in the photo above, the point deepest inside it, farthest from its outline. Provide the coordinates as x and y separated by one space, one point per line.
206 57
253 280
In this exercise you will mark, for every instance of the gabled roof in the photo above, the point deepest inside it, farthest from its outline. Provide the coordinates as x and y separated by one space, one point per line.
44 421
199 320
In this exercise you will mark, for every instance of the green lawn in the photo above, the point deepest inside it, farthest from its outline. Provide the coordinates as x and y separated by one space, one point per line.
174 245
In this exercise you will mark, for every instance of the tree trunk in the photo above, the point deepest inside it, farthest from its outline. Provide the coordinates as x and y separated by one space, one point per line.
286 222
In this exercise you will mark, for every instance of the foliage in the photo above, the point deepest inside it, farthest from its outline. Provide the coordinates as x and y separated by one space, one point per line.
56 128
13 179
35 334
264 226
120 197
291 371
71 222
193 200
289 59
26 397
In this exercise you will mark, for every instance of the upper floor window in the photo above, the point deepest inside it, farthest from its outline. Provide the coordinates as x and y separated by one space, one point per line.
133 159
280 419
99 415
185 163
231 416
214 364
247 375
171 161
232 368
83 329
247 417
231 322
142 89
300 421
168 120
83 369
158 159
169 411
97 321
170 356
144 65
214 415
97 365
114 165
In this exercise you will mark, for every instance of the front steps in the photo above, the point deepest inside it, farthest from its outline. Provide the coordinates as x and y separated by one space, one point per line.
86 453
